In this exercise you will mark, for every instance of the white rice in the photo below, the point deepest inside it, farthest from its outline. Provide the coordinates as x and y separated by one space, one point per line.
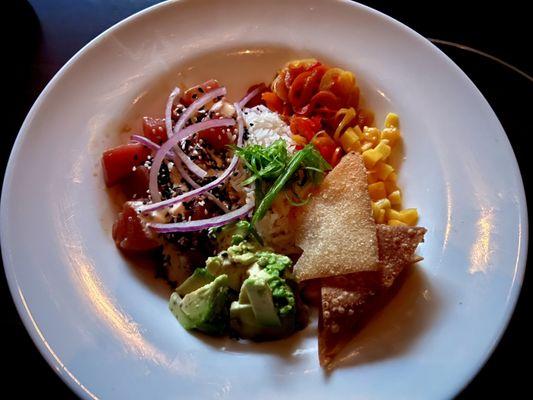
265 127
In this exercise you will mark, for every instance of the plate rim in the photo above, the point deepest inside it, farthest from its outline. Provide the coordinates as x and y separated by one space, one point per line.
18 297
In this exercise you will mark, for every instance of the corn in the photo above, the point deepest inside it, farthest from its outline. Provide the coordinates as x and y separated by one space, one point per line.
375 210
371 157
395 197
390 187
381 217
366 146
371 177
384 148
377 191
395 222
350 141
358 131
383 170
371 134
409 216
391 134
383 204
392 177
392 121
393 214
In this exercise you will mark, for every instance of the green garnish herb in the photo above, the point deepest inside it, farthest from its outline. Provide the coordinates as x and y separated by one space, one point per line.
310 160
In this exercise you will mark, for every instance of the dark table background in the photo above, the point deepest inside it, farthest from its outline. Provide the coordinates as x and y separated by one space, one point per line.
53 30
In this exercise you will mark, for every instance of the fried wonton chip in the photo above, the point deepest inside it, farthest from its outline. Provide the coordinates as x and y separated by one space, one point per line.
347 301
336 230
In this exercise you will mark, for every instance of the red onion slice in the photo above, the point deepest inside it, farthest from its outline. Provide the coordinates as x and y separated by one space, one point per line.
169 144
199 225
250 96
196 192
145 142
188 114
168 111
179 166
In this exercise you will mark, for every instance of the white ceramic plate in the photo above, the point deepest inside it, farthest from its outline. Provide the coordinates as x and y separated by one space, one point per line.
104 325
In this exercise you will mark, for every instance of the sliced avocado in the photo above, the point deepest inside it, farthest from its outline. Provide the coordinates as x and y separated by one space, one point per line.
244 323
199 278
205 309
260 297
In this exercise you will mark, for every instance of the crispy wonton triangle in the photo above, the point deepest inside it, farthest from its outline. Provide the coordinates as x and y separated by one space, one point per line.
336 230
346 301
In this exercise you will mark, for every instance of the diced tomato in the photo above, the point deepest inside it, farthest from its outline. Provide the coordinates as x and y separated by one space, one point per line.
305 86
324 99
256 100
155 129
273 102
217 138
336 157
325 145
293 70
118 162
304 126
129 233
197 91
135 185
364 117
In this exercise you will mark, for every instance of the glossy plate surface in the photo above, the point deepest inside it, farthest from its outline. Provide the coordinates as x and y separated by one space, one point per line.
104 325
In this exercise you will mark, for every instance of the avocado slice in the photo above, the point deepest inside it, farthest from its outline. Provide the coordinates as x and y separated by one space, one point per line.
204 309
199 278
260 297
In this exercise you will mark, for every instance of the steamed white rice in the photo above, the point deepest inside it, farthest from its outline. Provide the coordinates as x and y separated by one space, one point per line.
265 127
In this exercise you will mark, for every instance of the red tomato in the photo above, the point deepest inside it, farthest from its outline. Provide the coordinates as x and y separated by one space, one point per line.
273 102
304 126
129 233
217 138
364 117
324 99
135 184
256 100
305 86
293 71
119 161
336 157
325 145
197 91
155 129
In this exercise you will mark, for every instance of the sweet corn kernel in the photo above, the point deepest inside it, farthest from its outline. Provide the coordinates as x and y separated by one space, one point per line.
390 186
383 204
375 211
377 191
384 148
391 134
383 170
392 121
350 141
392 177
381 217
395 222
371 157
366 146
358 131
393 214
409 216
395 197
371 134
371 178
